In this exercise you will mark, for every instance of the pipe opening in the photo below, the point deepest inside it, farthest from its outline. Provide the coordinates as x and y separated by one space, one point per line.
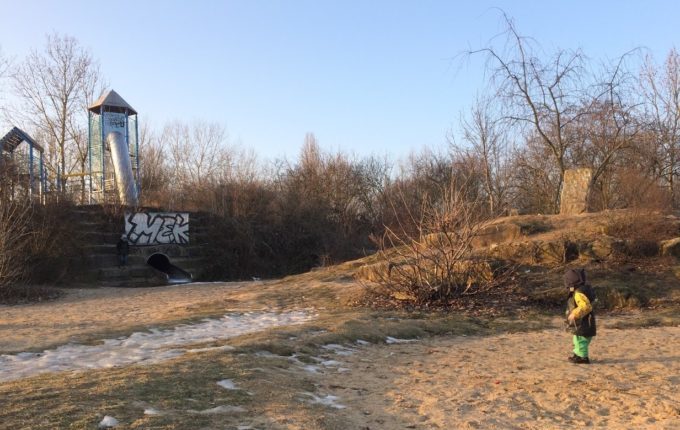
174 274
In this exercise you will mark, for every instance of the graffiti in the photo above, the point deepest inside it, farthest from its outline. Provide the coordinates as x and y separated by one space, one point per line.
157 228
114 122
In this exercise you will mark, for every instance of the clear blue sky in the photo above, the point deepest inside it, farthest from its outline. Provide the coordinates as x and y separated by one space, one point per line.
366 77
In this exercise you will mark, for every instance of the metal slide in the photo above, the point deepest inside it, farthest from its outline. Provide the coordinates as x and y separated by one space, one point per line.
174 274
122 167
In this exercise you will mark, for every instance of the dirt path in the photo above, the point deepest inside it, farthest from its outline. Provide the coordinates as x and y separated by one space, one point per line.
514 381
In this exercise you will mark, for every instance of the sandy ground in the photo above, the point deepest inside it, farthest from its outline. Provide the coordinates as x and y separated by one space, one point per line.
514 381
86 312
520 381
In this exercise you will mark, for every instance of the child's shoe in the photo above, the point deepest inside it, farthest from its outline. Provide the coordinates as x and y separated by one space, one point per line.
579 360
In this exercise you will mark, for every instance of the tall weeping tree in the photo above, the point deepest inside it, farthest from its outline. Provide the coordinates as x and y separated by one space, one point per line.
53 86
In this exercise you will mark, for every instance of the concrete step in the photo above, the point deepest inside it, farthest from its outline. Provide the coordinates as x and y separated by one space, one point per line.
126 272
102 227
102 237
107 248
172 251
111 260
107 265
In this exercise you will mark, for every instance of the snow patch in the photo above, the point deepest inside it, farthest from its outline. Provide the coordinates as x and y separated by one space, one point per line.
327 400
224 409
338 349
311 368
108 422
148 347
227 384
391 340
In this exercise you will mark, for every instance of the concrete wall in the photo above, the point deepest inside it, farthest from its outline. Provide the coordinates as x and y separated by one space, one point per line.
575 191
157 228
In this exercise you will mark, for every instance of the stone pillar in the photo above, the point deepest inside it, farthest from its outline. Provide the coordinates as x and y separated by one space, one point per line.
575 191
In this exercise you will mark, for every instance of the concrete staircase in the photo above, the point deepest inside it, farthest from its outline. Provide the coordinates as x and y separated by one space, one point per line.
101 230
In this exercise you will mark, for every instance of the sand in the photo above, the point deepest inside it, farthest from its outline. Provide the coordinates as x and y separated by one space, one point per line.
511 381
515 381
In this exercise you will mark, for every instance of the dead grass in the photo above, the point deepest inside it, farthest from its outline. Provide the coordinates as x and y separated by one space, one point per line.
80 400
188 383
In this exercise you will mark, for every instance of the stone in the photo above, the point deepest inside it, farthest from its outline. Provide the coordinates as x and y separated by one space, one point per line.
575 191
670 247
496 233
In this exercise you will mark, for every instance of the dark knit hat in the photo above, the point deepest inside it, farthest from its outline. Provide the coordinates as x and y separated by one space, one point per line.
574 277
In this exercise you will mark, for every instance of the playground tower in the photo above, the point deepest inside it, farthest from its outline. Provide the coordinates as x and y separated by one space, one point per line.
22 166
113 151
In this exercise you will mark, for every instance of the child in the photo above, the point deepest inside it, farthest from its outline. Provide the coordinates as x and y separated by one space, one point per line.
123 247
580 316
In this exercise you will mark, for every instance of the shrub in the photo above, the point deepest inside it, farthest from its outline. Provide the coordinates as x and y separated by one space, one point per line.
435 263
38 244
15 231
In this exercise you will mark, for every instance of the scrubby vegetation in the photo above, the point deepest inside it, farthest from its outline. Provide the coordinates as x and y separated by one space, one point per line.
39 245
431 215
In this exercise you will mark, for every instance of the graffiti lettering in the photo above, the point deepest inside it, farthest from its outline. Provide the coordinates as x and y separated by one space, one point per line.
157 228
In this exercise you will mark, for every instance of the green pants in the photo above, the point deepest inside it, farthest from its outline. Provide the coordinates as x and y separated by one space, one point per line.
581 345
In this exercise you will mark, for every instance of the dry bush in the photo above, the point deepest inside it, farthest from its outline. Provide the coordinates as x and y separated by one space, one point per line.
630 188
639 224
435 263
38 244
56 246
15 231
641 231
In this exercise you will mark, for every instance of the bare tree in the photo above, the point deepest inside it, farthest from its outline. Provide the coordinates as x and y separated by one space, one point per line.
541 96
4 69
533 178
53 87
607 127
661 90
92 86
197 155
487 151
154 171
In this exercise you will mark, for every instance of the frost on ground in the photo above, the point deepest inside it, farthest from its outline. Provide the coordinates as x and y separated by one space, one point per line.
108 422
227 384
392 340
224 409
327 400
143 348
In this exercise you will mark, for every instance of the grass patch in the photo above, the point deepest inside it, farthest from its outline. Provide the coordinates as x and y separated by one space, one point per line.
189 383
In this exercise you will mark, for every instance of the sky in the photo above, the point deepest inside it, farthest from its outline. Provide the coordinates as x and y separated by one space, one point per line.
382 78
